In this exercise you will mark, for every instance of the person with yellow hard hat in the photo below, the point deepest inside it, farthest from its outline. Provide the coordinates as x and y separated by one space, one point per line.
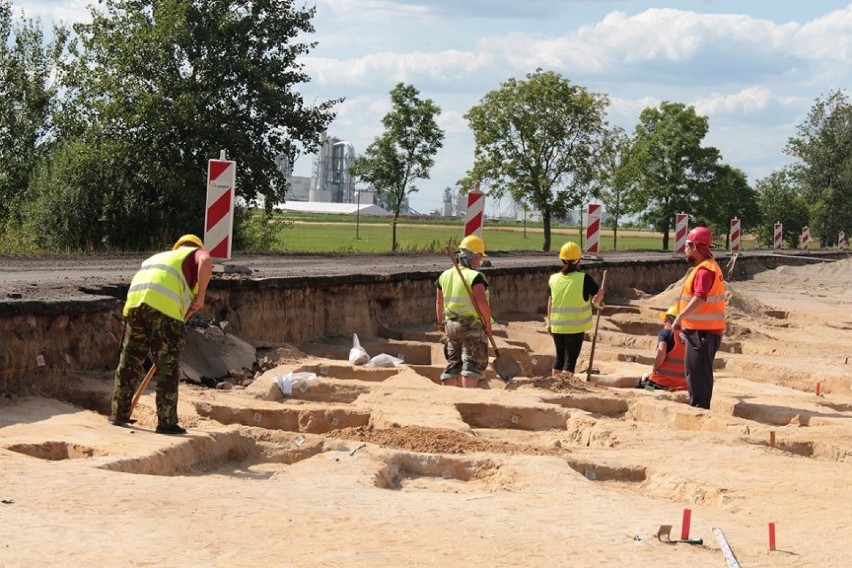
466 335
569 309
168 288
667 372
701 315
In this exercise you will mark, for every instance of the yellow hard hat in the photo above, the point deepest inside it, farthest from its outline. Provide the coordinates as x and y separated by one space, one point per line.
669 313
473 244
570 251
191 240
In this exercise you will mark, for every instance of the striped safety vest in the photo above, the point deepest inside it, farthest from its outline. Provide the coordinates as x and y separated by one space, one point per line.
569 312
671 373
160 283
711 314
457 301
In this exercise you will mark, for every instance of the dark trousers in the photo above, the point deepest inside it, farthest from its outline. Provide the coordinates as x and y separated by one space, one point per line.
700 351
568 347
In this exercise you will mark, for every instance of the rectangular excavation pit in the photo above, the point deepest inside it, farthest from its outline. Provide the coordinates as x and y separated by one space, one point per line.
429 372
338 349
815 450
323 392
496 416
348 372
771 414
600 472
402 470
612 407
216 451
314 421
55 451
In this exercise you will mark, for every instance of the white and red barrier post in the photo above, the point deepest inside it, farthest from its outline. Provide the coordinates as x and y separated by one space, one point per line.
474 213
841 241
681 229
219 216
777 236
593 229
806 239
735 235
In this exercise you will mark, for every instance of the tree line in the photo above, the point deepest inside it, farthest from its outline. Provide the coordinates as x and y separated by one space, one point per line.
106 129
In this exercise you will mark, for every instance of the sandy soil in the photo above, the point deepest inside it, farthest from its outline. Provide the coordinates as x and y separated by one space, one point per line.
382 467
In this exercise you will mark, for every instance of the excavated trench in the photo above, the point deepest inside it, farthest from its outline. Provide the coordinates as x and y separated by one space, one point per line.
392 311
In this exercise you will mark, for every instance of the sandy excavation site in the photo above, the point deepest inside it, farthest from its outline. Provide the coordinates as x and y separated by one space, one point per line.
384 467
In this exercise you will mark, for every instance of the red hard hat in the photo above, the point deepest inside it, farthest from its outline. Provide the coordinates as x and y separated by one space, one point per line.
701 236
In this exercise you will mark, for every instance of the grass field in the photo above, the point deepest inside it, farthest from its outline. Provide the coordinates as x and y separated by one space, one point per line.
316 233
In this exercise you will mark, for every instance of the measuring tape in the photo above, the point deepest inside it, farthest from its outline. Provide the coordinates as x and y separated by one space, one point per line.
726 549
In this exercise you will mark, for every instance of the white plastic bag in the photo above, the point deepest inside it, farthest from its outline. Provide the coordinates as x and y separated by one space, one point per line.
384 360
291 380
357 355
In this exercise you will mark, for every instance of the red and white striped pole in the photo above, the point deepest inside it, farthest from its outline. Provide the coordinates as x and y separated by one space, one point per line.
593 229
474 213
806 239
681 229
735 235
219 216
777 234
841 241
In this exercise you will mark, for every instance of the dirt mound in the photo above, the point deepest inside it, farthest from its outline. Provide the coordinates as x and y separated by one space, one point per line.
743 304
739 302
577 383
437 441
281 355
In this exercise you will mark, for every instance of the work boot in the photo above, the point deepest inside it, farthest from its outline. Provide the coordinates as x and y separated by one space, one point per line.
171 429
122 421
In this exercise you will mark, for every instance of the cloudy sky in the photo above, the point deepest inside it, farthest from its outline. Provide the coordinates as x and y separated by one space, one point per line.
753 67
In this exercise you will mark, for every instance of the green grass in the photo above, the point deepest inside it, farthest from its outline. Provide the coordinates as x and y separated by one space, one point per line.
318 234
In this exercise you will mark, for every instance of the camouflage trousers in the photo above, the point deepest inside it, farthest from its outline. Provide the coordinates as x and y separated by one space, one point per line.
149 331
466 348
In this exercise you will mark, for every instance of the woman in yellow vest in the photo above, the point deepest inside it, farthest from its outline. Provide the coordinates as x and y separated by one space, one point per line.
569 309
166 290
466 335
667 373
701 316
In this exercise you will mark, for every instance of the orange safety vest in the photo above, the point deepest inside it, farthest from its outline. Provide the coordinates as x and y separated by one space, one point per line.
711 314
671 373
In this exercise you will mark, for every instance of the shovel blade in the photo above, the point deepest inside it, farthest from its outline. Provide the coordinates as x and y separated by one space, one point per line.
506 367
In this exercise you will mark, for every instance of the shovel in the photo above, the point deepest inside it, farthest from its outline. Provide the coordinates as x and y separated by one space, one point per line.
504 365
595 336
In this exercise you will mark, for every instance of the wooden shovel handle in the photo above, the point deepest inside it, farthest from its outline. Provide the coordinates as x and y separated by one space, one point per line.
595 336
142 386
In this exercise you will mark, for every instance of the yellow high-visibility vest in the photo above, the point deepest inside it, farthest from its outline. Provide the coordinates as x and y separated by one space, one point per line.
457 302
160 283
569 312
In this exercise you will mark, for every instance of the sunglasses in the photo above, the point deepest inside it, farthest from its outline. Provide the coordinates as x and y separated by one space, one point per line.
689 244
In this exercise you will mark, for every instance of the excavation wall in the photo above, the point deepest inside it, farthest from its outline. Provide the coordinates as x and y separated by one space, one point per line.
43 341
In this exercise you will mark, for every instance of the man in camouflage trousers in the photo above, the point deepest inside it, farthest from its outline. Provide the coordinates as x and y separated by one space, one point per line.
166 290
466 341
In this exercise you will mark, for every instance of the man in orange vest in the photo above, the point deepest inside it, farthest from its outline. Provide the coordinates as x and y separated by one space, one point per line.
701 316
667 372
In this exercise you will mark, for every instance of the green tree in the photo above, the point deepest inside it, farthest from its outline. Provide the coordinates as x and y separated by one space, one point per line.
823 145
29 67
405 151
540 140
175 81
729 195
617 178
781 200
674 172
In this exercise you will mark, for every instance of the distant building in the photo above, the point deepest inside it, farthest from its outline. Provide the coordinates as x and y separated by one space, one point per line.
331 182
